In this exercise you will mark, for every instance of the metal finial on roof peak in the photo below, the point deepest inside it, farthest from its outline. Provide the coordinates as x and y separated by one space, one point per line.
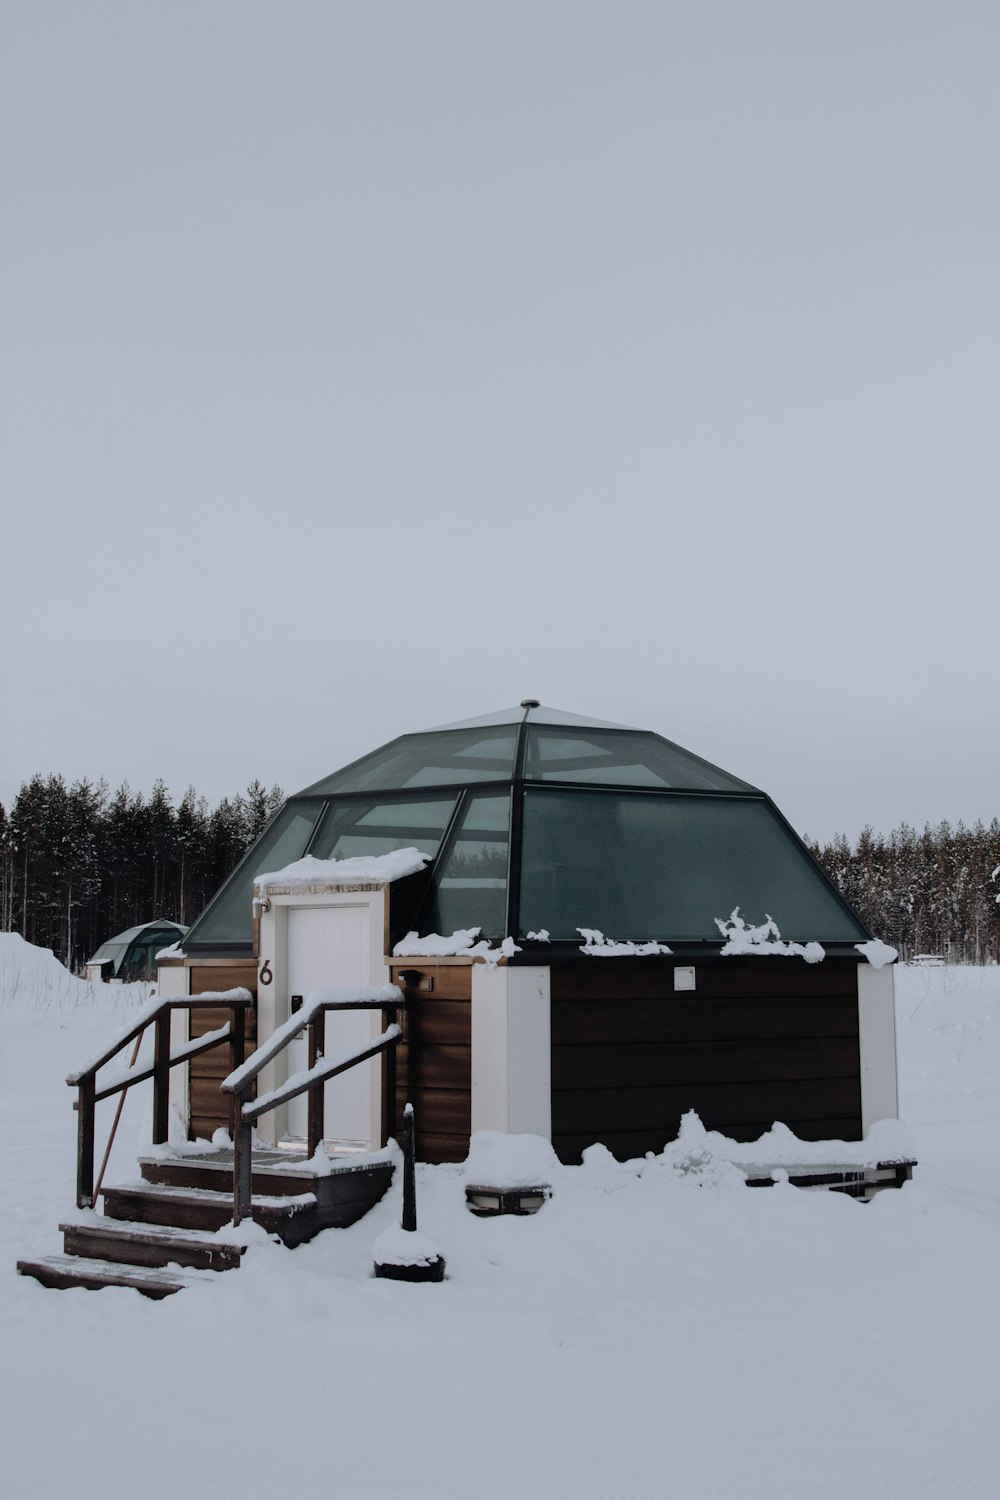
530 703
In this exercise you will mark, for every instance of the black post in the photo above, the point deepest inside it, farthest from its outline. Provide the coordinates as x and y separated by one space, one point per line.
392 1261
85 1143
237 1051
409 1172
316 1096
161 1079
392 1014
242 1162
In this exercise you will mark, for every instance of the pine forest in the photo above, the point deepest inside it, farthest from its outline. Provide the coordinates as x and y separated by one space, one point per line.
79 863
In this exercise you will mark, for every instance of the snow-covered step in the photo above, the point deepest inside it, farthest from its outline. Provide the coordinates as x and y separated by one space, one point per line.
65 1271
138 1244
273 1174
202 1208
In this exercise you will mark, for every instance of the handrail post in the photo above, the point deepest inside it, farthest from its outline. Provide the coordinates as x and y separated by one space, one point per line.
316 1121
242 1161
390 1014
237 1050
161 1079
409 1220
85 1142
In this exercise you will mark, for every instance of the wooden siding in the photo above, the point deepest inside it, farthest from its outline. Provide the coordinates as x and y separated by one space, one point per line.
758 1040
434 1061
209 1107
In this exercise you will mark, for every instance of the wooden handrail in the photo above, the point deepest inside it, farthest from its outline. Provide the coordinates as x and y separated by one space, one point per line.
233 999
388 999
322 1072
385 997
157 1015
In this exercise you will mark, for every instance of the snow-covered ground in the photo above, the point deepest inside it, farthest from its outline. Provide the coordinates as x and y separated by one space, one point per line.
654 1334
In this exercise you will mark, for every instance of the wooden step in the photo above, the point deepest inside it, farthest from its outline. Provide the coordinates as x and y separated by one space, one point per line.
137 1244
273 1175
351 1185
201 1208
64 1271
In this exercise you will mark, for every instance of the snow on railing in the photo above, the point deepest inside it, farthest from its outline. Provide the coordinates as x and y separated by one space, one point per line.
312 1080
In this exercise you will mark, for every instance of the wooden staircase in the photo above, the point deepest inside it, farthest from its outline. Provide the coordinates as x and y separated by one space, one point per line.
167 1230
163 1233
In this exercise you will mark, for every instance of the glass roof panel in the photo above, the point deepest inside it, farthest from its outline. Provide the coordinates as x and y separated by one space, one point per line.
471 885
639 867
227 918
438 758
612 757
354 828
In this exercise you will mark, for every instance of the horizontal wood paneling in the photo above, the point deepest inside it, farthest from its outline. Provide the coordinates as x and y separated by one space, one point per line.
758 1040
209 1107
439 1147
640 1066
719 978
451 981
441 1110
434 1063
433 1067
208 1100
208 977
429 1021
788 1100
682 1018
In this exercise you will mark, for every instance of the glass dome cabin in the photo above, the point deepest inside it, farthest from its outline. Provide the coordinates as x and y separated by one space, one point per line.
539 820
131 955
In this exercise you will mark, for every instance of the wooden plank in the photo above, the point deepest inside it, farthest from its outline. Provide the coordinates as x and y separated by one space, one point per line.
209 1102
442 1111
603 1111
240 974
730 978
436 1146
451 982
214 1016
603 1021
430 1020
420 1068
650 1065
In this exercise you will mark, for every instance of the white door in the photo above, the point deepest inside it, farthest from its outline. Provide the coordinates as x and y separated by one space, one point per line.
329 948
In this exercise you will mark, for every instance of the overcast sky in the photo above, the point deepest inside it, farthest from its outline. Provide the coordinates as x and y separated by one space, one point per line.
369 366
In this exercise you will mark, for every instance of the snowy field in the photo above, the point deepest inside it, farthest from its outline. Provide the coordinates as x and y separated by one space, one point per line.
663 1334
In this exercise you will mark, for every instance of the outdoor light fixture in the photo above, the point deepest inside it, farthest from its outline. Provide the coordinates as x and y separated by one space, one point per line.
413 979
260 904
487 1202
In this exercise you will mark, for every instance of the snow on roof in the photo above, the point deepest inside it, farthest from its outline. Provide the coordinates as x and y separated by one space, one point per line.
878 953
742 939
461 943
598 946
365 869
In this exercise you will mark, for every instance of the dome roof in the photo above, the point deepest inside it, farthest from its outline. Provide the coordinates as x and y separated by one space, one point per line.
534 819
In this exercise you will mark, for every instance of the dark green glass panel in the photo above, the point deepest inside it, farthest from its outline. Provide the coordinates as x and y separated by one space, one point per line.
443 758
609 757
640 867
352 828
227 919
471 885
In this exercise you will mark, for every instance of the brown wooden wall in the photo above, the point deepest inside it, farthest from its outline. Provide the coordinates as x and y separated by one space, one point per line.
759 1040
209 1106
434 1062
